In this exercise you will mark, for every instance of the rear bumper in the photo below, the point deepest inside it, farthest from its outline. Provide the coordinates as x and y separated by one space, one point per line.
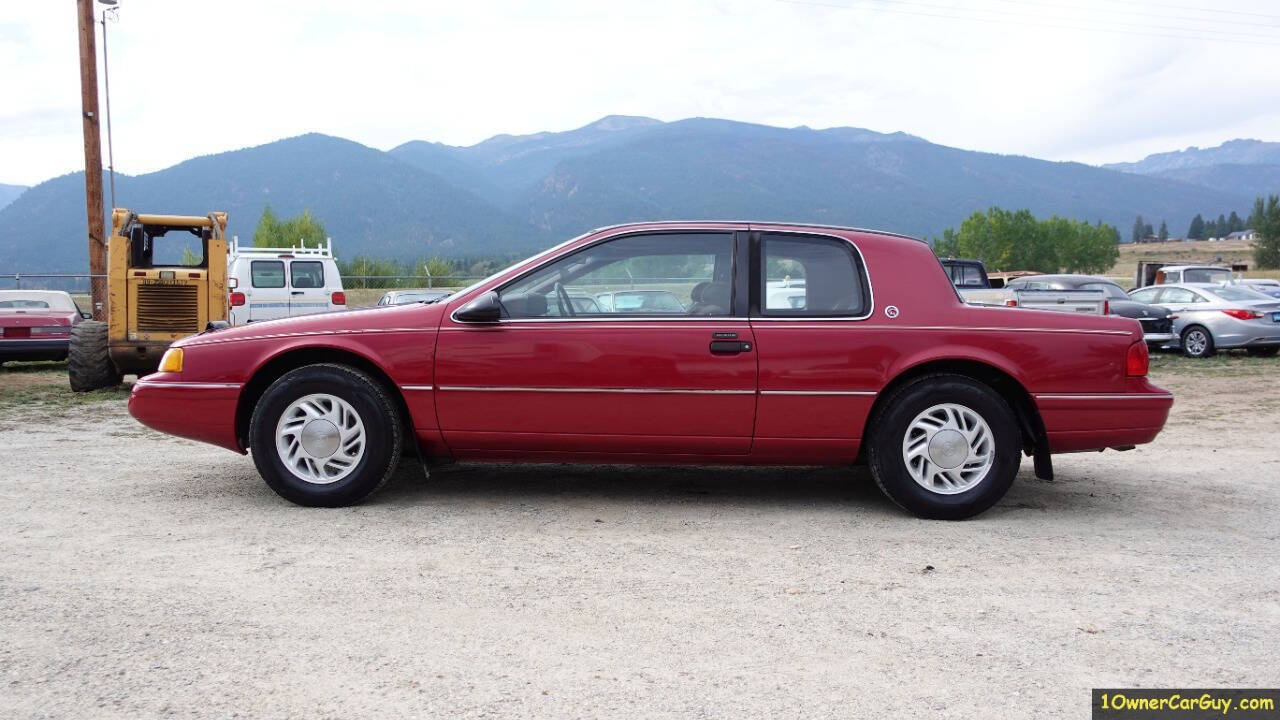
34 349
1158 338
199 411
1077 422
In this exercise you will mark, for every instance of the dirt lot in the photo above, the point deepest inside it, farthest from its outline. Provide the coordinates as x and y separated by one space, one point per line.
142 575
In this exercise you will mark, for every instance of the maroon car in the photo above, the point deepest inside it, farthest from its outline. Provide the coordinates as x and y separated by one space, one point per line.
782 344
36 324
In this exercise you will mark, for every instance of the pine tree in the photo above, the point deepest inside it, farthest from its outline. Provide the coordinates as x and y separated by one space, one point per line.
1196 231
1164 231
1138 227
1234 223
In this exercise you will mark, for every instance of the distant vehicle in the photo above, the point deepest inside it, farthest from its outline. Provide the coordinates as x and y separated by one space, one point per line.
36 324
969 277
1217 317
402 297
274 283
639 301
1266 286
1156 321
883 362
1154 272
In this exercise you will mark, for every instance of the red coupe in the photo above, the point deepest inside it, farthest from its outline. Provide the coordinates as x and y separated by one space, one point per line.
36 324
780 344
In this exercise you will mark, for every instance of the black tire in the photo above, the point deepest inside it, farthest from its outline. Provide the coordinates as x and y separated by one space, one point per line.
372 403
89 365
1262 351
1201 349
888 430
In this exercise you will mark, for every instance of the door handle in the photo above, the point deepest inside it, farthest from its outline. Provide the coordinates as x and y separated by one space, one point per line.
296 292
729 347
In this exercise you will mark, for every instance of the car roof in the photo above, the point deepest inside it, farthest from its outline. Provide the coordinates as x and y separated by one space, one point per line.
745 225
1066 276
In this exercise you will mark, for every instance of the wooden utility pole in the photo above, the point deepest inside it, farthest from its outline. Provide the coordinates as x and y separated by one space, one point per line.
92 160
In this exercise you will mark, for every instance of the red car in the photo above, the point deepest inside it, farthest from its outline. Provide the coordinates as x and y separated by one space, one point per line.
36 324
870 354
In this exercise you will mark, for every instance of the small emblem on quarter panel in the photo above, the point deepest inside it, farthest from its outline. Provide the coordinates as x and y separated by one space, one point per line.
891 311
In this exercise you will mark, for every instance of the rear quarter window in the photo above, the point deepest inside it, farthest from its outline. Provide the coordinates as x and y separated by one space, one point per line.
823 275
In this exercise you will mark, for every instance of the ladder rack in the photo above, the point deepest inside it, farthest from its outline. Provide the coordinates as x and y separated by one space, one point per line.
326 251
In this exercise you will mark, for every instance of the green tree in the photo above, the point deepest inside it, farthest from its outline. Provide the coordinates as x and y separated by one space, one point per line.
1196 231
1265 220
1005 240
1164 231
1234 223
1139 229
302 230
1221 226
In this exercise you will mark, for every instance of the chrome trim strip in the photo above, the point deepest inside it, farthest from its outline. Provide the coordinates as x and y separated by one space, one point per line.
417 387
820 392
640 391
190 385
214 339
709 319
1106 396
961 328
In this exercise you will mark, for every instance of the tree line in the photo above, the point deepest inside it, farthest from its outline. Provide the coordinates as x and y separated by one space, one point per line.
1017 240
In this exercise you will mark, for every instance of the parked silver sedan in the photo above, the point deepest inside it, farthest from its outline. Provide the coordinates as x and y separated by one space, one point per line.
1211 317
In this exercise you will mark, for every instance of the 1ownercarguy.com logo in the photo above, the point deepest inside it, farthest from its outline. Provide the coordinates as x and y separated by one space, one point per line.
1185 703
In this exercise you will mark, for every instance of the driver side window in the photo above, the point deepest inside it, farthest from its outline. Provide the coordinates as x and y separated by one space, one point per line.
653 275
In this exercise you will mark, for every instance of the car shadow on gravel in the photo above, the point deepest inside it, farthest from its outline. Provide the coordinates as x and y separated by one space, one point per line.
628 483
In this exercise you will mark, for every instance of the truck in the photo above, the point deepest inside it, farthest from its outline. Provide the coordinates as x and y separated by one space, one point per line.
970 279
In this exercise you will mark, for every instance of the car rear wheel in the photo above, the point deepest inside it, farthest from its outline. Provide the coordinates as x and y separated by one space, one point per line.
1263 351
945 447
1197 342
325 435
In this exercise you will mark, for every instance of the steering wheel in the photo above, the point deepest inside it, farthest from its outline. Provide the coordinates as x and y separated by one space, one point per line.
562 298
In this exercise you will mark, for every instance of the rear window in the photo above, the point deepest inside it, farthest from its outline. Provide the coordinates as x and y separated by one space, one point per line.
306 274
1239 294
1210 275
267 273
23 304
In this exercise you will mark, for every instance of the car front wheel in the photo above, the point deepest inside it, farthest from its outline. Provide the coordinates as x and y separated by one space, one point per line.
325 435
945 447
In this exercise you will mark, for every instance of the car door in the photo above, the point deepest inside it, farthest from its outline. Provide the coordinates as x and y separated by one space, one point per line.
817 383
670 372
268 294
307 291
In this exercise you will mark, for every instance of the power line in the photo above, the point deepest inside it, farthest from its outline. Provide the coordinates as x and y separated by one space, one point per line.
1198 9
1220 36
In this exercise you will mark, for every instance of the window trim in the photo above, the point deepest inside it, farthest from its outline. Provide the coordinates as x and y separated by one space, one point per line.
735 312
284 276
756 313
323 279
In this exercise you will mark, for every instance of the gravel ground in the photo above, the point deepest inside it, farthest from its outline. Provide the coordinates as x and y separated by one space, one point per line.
143 575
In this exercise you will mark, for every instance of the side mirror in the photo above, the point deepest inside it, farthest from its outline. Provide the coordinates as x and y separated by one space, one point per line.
86 316
484 309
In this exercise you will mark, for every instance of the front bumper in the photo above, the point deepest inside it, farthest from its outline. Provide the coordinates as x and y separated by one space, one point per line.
195 410
34 349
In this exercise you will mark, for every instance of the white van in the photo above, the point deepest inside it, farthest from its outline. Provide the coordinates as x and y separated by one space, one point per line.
271 283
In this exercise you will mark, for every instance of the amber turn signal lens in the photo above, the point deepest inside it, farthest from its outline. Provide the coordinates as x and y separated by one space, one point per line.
172 361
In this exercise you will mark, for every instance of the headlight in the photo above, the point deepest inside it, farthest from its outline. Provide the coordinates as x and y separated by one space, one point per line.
172 361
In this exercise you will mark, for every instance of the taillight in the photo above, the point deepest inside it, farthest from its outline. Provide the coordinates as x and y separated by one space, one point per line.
1138 361
236 299
1243 314
338 298
1106 307
51 330
1011 303
1173 317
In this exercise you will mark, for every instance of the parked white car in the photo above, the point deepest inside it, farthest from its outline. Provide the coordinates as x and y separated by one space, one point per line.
272 283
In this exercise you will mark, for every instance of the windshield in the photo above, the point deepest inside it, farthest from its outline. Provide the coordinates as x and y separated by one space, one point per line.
1239 294
1210 275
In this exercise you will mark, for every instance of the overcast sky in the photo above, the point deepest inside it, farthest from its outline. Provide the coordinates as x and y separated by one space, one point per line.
1088 80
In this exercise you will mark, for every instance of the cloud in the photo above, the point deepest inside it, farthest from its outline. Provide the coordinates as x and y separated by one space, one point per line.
197 78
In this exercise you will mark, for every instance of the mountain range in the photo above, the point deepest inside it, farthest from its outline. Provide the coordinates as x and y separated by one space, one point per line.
518 193
9 193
